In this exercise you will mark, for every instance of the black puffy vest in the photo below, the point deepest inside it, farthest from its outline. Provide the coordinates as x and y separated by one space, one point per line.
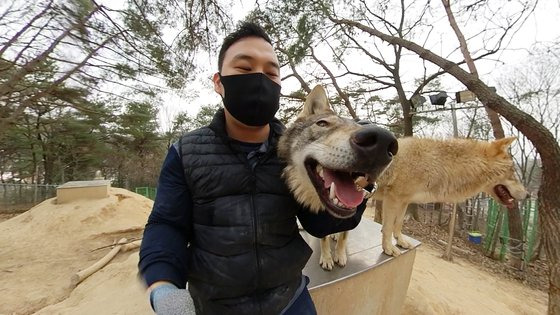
246 254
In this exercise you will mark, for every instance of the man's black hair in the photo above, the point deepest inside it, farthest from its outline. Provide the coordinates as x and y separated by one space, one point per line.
245 29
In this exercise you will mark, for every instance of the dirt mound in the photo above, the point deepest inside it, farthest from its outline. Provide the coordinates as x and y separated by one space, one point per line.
42 248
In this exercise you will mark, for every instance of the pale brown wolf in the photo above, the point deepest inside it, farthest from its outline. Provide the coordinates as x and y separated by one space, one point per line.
326 154
430 170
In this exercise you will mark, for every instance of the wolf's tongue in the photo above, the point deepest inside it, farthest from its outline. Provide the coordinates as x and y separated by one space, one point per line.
345 188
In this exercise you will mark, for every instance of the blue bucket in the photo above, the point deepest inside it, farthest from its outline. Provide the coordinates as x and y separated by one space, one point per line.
475 237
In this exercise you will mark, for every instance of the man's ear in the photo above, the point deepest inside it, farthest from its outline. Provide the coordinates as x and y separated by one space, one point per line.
218 87
316 103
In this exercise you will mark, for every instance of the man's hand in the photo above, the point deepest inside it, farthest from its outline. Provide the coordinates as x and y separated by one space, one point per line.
167 299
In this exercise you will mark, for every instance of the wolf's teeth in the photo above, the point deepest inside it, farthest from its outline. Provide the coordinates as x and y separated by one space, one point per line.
335 201
510 200
319 170
332 193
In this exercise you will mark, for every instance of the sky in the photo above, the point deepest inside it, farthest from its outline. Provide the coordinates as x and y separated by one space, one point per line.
540 27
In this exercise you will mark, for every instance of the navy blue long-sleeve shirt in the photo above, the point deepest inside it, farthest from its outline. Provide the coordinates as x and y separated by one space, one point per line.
164 250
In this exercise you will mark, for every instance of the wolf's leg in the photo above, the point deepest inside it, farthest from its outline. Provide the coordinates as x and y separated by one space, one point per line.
340 250
390 208
326 260
398 229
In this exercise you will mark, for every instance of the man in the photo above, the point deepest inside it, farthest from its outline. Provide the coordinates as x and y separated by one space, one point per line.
223 219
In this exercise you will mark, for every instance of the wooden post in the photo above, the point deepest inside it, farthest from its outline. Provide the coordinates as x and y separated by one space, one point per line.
447 255
496 236
476 216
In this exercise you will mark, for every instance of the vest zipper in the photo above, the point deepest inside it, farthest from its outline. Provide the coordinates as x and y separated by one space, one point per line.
255 225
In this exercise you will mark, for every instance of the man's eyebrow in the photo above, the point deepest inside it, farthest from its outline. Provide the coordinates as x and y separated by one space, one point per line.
249 58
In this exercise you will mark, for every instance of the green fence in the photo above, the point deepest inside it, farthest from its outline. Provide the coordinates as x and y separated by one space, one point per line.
497 213
148 192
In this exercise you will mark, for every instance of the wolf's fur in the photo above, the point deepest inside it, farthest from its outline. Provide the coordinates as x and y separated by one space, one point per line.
321 135
429 170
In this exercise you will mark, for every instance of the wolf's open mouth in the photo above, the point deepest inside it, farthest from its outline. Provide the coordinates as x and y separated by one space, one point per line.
336 188
505 196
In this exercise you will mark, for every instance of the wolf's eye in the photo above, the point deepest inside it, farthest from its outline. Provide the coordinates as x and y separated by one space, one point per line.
322 123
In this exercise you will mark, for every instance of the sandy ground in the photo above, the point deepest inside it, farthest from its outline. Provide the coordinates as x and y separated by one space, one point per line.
41 249
441 287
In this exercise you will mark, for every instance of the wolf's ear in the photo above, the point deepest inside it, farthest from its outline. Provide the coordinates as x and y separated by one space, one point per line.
316 103
500 146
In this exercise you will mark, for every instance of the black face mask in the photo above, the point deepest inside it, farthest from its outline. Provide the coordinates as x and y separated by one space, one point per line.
252 98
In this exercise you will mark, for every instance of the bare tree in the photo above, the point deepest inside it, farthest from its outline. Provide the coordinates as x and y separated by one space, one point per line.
535 88
539 135
94 48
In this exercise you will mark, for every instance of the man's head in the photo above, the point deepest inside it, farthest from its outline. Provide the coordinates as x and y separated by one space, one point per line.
249 76
245 30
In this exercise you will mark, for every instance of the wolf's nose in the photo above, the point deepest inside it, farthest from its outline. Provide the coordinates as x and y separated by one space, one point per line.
375 142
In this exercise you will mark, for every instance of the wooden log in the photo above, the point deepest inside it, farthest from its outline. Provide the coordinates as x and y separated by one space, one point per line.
83 274
131 246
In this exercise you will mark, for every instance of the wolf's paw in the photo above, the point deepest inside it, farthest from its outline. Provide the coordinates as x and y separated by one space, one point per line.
326 262
391 250
340 258
403 243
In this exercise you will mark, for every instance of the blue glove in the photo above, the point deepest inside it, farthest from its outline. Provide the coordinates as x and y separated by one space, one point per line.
167 299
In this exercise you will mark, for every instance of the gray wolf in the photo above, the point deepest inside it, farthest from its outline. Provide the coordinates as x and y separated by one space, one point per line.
326 155
452 170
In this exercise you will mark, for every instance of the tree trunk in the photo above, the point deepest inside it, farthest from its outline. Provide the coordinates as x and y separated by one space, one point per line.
474 224
537 248
412 210
447 254
495 235
461 216
516 239
438 206
405 104
549 219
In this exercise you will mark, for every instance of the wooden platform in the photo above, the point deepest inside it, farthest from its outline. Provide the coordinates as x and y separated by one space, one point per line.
371 282
88 189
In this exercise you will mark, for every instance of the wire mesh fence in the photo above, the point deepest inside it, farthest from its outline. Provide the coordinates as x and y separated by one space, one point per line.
497 229
485 222
21 197
148 192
